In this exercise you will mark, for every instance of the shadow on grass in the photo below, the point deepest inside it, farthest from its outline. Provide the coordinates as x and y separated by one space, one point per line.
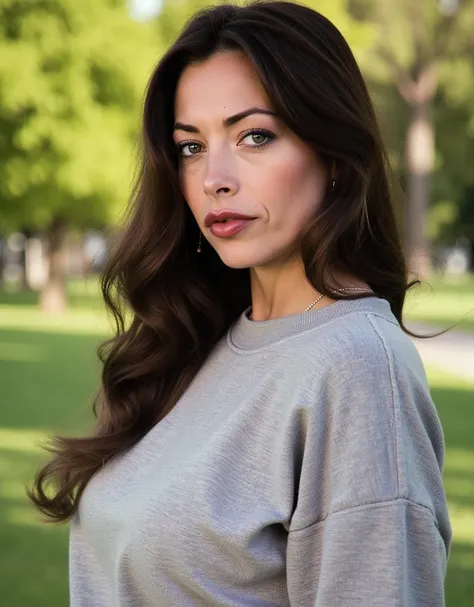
47 379
47 383
459 582
34 556
19 298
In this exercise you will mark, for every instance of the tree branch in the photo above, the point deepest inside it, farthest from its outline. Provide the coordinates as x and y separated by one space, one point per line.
405 84
444 33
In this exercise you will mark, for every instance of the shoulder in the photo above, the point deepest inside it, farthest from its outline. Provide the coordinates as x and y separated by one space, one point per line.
368 395
361 346
366 373
371 430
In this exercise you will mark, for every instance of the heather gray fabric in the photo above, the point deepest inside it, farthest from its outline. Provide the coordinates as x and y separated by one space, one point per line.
302 467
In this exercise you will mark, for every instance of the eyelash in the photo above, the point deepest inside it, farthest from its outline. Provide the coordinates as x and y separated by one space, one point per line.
269 135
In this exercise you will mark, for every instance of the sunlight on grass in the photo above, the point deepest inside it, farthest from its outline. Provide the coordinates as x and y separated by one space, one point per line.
462 517
462 520
91 322
447 302
12 490
434 305
459 460
458 480
441 379
26 441
22 515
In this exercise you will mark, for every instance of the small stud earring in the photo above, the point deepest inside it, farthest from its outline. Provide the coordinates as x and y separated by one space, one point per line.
333 184
199 243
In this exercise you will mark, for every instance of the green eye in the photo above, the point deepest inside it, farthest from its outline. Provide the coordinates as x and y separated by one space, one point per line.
258 138
192 147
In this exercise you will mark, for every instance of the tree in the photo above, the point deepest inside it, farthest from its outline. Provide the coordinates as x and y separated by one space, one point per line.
452 211
71 79
415 47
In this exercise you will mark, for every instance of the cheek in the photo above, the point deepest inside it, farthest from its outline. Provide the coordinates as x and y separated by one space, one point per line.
297 183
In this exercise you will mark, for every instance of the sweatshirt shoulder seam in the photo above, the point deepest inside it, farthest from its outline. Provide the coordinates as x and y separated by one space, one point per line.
401 484
371 506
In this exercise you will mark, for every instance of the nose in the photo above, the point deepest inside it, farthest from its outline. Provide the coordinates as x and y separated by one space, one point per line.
220 178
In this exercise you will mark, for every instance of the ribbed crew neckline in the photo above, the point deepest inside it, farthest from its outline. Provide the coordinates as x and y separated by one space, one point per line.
249 335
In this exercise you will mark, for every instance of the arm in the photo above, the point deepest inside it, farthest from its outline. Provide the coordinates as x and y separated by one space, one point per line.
370 527
381 555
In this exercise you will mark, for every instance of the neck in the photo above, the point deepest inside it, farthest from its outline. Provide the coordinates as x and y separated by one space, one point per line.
283 291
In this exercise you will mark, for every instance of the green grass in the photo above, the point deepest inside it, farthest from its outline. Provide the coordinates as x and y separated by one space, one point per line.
48 374
445 303
454 399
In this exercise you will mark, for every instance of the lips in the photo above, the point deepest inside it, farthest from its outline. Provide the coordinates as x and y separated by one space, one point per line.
222 215
225 229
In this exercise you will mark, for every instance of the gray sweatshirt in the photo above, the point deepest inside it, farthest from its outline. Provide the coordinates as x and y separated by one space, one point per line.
302 467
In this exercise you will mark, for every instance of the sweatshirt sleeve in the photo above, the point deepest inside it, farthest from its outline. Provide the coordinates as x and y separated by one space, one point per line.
370 527
382 555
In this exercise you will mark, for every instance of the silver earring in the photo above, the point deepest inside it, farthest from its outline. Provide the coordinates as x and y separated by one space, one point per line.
199 243
333 184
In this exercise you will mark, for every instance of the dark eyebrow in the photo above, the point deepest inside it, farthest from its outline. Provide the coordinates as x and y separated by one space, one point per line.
227 122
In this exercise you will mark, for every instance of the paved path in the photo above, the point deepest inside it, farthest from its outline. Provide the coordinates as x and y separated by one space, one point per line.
452 352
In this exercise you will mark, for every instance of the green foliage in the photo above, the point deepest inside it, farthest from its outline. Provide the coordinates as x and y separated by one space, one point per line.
428 46
71 79
359 34
454 176
72 76
174 15
443 214
454 119
410 34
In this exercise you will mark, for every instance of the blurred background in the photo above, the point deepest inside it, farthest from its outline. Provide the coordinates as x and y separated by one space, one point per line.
72 77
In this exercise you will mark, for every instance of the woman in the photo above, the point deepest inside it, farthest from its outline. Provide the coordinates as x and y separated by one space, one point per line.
265 434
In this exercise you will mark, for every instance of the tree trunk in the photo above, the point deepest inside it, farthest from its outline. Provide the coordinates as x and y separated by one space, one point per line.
420 162
24 282
2 259
85 261
53 295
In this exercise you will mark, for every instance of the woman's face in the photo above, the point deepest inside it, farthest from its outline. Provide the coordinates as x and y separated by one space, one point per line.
253 166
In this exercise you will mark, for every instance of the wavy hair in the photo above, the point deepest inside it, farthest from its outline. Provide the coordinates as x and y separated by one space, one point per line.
182 303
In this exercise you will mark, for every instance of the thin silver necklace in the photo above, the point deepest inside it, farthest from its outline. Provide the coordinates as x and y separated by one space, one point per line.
341 290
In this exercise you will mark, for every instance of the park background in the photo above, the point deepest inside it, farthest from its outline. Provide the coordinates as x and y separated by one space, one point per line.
72 77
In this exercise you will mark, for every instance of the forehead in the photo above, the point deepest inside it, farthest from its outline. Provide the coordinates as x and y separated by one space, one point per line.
218 87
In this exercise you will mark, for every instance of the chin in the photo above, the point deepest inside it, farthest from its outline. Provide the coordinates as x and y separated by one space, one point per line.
239 260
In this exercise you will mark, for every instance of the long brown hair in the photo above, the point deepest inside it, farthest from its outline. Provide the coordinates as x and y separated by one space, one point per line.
182 302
